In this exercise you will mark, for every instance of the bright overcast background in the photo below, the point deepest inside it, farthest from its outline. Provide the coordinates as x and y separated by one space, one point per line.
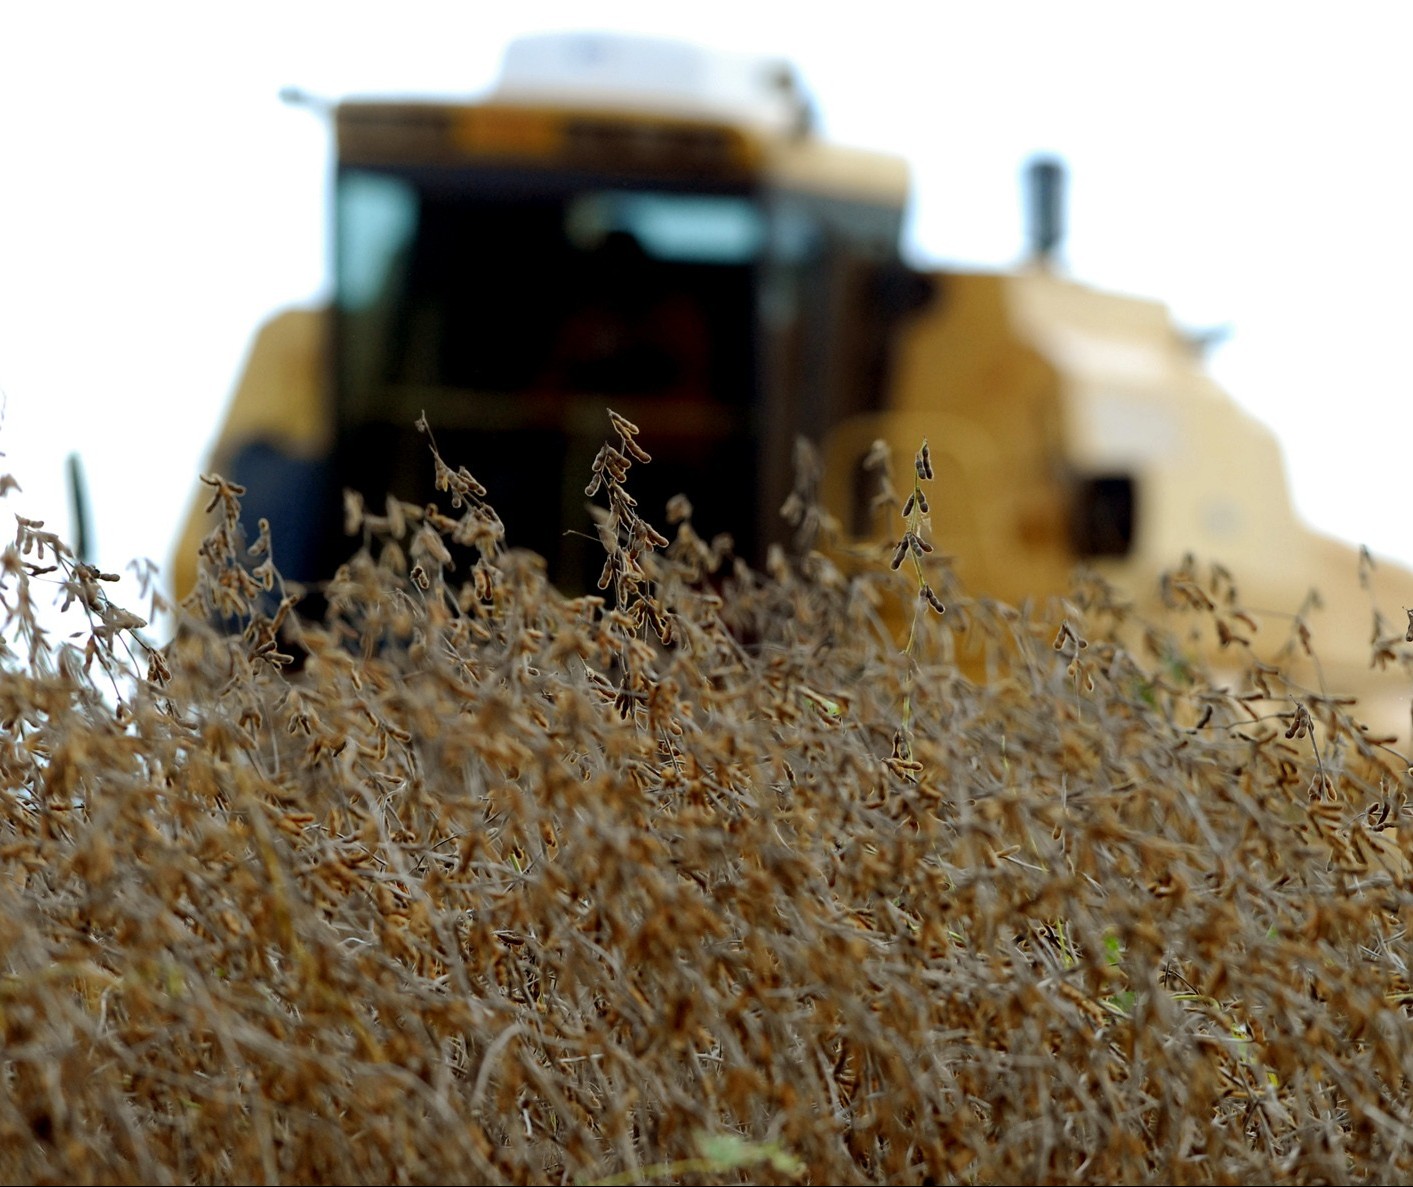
1245 163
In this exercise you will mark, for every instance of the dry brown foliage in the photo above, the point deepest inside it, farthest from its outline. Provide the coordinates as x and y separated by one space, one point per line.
705 879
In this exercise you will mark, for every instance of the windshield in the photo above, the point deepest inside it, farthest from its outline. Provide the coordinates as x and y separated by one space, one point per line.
515 311
595 291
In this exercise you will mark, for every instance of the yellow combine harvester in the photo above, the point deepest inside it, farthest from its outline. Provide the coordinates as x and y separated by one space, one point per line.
640 225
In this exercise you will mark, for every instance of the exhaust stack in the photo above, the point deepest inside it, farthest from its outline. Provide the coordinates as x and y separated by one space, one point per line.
1045 184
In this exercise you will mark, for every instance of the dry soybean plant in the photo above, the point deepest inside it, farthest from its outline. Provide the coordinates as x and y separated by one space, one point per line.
703 877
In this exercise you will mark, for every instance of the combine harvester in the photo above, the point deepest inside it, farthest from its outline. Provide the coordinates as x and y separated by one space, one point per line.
645 226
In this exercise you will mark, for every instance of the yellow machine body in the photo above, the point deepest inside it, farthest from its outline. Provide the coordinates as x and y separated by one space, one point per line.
1067 425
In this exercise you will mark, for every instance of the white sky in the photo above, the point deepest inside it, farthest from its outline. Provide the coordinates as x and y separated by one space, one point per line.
1245 163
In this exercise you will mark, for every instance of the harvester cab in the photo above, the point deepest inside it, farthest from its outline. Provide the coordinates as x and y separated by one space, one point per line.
621 223
647 227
